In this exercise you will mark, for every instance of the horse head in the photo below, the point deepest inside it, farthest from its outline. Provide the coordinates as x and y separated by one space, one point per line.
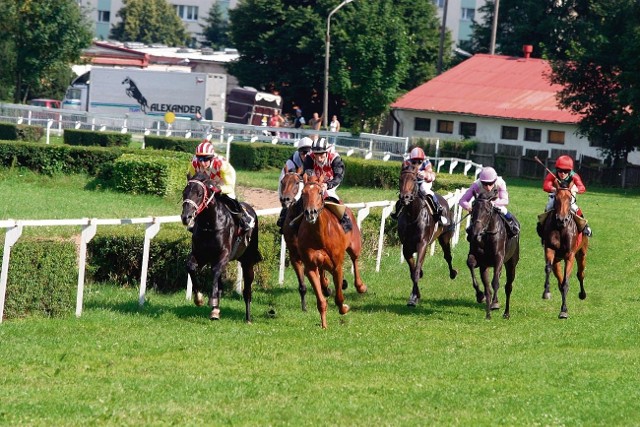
290 188
198 193
562 205
408 184
312 198
481 215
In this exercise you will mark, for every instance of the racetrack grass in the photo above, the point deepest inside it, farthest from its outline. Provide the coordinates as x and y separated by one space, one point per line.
383 363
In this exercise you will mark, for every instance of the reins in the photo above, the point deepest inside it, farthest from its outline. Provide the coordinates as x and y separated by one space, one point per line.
205 201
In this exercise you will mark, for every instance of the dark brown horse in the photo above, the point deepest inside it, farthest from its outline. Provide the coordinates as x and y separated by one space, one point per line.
216 241
489 247
322 243
563 242
417 229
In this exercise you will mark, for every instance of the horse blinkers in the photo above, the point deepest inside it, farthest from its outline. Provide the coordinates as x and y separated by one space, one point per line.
190 207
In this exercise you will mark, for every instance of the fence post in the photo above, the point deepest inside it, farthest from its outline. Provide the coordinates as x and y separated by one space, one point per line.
149 234
10 238
88 233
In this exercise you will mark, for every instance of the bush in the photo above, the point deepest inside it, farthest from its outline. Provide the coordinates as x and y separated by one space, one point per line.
13 132
171 143
42 278
93 138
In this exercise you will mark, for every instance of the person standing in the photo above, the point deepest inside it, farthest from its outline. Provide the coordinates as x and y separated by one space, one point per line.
315 122
334 125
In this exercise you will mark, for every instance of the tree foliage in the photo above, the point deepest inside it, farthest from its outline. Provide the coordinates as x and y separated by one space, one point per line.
149 21
216 29
39 38
378 50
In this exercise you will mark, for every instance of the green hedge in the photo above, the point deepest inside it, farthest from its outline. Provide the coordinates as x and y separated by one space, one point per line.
13 132
42 278
93 138
171 143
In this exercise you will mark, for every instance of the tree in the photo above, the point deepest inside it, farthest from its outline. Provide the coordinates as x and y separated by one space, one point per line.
601 77
544 24
216 29
149 21
38 37
282 42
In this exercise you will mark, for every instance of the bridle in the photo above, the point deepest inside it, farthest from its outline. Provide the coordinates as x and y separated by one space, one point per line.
486 223
411 197
299 181
205 200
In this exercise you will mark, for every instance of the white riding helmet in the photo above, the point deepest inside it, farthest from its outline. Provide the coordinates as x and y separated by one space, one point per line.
305 143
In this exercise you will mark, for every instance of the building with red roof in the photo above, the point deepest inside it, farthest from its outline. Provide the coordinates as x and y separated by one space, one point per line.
493 99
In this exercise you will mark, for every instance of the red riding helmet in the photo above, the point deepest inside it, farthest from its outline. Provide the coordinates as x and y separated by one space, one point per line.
564 162
416 154
205 149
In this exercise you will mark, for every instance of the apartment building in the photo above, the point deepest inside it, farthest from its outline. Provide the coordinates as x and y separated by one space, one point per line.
460 15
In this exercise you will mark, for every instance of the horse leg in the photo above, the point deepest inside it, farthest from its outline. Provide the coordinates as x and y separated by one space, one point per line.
357 279
472 264
445 244
484 274
414 272
546 294
581 258
339 297
563 286
508 287
495 283
216 293
298 268
247 277
314 279
192 269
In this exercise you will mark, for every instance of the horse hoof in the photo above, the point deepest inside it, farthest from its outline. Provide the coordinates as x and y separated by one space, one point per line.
563 315
344 309
198 299
495 306
413 302
326 292
480 298
215 314
453 274
546 295
506 316
361 289
582 295
345 285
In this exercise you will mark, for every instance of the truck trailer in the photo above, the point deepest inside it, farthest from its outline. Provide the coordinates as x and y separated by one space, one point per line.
248 106
126 91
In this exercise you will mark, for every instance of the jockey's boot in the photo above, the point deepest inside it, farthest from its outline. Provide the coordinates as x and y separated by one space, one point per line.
438 215
394 215
346 224
587 231
283 215
513 228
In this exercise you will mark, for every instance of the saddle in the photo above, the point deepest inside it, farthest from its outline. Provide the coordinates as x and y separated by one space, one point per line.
340 211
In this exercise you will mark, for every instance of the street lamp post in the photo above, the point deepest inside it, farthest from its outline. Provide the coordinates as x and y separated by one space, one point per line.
325 103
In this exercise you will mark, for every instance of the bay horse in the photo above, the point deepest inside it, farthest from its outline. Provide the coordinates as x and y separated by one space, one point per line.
489 246
216 240
563 242
417 229
322 243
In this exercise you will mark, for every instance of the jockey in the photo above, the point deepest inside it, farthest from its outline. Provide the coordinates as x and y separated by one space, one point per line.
325 161
490 181
566 177
223 175
425 178
292 164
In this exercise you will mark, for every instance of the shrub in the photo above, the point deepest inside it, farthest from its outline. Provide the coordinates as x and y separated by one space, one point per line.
93 138
13 132
171 143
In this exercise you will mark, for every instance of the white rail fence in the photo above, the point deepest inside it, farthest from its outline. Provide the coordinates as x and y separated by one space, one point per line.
89 227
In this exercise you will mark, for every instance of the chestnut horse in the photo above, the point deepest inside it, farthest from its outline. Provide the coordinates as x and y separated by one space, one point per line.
563 242
417 229
489 246
216 241
322 242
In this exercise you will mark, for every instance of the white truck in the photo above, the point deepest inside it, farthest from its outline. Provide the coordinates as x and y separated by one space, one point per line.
120 91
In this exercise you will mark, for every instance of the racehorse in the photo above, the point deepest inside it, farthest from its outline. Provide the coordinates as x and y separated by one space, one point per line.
216 241
563 242
322 242
133 92
489 246
417 229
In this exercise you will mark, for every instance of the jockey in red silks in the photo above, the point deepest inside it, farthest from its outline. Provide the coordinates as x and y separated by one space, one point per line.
293 163
223 175
489 180
567 178
425 177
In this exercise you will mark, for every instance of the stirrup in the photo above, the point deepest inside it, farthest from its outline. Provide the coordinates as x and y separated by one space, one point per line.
587 231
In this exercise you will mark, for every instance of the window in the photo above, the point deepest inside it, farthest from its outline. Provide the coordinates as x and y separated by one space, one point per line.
104 16
422 124
467 14
445 126
468 129
187 13
439 3
556 137
509 132
534 135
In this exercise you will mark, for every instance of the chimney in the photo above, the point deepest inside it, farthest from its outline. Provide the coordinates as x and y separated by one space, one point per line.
527 49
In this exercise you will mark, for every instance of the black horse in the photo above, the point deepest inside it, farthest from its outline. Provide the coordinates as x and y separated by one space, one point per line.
489 246
417 229
133 92
217 240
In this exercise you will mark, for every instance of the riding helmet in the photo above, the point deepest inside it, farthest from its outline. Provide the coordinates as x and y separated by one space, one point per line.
417 154
564 162
488 174
205 149
320 146
305 143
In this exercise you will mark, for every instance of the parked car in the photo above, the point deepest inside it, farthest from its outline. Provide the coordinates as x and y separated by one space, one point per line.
47 103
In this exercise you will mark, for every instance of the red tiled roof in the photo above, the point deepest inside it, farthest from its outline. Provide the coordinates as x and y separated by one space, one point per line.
491 86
